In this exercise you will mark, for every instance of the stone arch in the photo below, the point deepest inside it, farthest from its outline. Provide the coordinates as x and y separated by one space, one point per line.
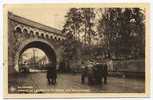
18 28
25 29
47 36
42 35
51 37
55 38
59 38
37 33
31 33
42 44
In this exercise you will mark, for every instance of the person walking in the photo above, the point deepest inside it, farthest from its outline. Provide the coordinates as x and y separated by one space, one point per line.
84 74
105 71
51 74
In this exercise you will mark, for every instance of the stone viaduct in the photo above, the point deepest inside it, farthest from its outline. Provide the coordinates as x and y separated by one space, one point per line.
24 33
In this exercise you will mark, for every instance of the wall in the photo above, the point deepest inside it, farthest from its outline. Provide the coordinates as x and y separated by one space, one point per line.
128 67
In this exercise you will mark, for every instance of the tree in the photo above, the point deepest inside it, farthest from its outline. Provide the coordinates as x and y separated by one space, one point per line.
79 21
71 51
88 21
73 22
123 30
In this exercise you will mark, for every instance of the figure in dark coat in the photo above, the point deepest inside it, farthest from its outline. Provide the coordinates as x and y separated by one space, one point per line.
105 73
101 73
98 73
84 74
90 76
51 75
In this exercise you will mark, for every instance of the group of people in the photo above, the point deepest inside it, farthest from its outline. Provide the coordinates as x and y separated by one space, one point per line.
95 75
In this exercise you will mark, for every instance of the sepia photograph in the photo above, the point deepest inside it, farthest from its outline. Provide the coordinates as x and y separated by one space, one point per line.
60 49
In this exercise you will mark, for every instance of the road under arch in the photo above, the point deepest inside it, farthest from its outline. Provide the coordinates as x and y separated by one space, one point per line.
44 45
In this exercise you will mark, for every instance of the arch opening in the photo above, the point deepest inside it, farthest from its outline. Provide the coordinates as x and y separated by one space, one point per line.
18 29
34 59
42 45
25 31
42 35
37 33
47 36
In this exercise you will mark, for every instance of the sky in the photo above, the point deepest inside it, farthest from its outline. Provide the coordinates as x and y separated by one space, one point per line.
28 54
47 15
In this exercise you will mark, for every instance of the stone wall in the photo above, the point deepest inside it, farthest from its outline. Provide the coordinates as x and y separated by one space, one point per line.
127 67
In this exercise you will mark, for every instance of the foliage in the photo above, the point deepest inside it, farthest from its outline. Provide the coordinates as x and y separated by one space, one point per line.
78 22
123 31
88 21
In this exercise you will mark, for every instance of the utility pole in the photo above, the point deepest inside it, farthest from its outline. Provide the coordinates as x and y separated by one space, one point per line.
34 59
